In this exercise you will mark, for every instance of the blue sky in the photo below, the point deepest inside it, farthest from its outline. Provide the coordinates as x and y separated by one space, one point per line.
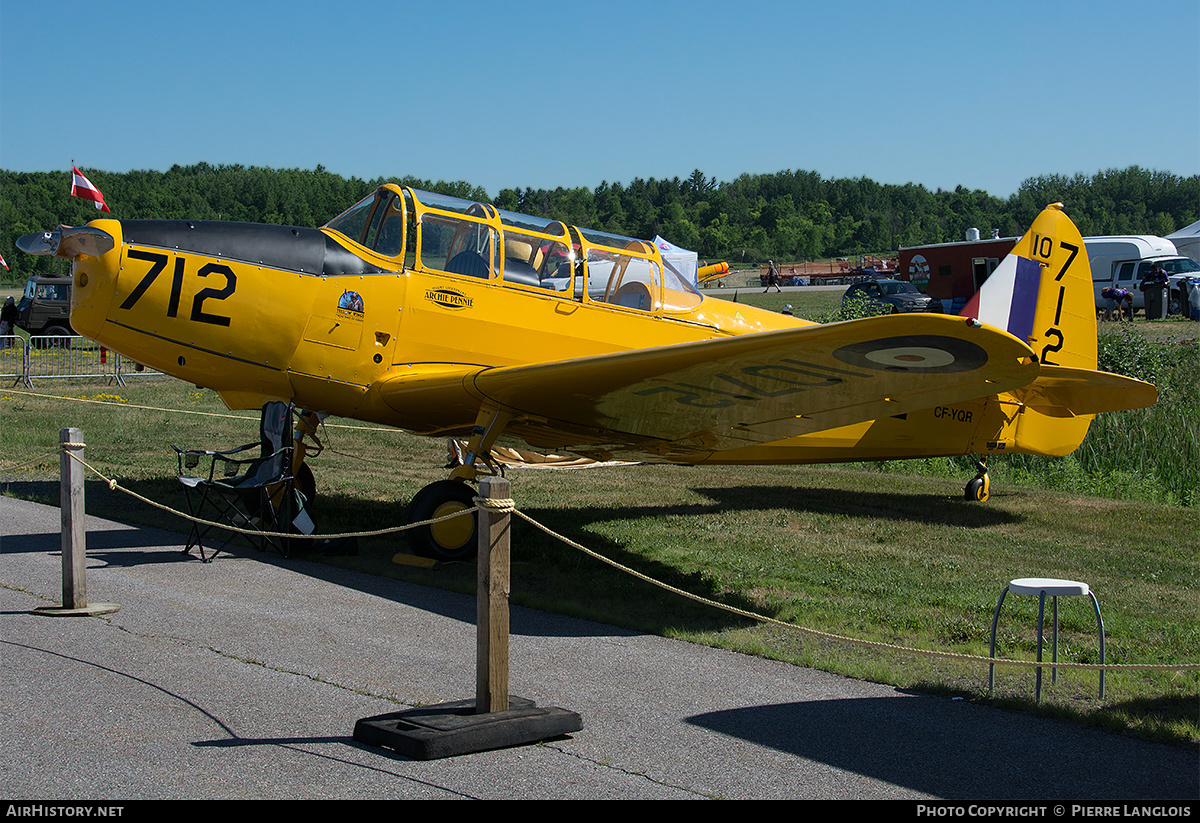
542 94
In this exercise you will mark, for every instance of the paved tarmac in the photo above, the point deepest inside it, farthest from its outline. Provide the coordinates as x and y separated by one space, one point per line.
243 678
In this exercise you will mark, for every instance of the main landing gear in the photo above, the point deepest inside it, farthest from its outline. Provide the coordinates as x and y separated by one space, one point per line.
452 539
457 537
979 486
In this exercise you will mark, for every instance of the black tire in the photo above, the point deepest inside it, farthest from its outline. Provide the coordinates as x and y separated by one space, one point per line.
57 332
977 490
1175 303
450 539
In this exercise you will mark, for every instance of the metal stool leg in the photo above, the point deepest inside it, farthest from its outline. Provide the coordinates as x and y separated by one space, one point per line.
995 619
1041 619
1054 652
1100 625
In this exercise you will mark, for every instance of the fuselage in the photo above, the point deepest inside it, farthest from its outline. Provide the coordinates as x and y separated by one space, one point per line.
408 286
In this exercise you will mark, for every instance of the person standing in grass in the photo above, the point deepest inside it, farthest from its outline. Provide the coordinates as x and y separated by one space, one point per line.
1156 281
8 322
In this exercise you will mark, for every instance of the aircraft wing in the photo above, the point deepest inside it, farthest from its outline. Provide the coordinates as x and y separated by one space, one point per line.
724 393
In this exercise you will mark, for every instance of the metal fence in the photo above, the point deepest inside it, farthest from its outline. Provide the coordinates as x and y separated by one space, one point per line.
12 357
64 356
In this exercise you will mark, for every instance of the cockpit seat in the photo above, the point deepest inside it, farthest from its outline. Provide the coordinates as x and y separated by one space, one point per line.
634 295
470 264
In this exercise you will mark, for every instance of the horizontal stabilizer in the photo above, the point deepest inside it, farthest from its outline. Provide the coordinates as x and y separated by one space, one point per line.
1060 391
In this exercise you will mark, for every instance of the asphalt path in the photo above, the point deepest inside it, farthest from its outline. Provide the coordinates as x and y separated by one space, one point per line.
243 678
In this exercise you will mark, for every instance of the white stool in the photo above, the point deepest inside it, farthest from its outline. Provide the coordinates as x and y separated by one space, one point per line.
1042 586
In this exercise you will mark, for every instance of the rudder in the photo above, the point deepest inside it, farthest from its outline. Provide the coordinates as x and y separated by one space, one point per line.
1042 293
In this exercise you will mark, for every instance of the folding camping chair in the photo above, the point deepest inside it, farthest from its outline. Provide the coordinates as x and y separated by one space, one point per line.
255 493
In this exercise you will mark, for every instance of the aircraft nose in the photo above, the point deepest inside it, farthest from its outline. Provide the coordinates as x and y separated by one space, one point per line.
96 261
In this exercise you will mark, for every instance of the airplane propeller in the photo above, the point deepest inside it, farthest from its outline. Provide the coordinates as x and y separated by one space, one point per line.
67 241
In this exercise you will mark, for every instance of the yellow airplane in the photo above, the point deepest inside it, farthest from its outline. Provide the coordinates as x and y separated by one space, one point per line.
456 319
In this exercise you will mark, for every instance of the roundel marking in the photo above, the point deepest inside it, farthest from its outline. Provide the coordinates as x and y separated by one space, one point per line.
918 354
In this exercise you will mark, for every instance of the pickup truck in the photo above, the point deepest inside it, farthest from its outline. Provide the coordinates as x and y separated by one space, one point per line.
1124 260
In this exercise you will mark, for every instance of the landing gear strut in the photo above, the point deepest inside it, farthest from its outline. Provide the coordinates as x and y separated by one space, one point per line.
979 486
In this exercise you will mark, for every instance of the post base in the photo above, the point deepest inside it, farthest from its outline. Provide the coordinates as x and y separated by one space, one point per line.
84 611
451 729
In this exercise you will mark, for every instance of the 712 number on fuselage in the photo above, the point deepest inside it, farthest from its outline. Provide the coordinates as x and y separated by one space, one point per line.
159 262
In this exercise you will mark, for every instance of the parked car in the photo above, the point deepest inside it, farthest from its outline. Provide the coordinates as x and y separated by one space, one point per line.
898 296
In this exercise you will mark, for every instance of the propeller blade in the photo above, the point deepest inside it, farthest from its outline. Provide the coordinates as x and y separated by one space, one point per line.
40 243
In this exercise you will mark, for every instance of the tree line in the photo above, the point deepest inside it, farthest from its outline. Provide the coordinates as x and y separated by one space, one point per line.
786 216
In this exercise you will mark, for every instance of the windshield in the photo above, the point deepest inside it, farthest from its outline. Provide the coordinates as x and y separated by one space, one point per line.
353 221
1181 266
898 288
678 292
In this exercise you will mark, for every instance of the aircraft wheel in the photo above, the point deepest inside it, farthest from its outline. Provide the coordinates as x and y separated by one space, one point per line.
977 489
453 539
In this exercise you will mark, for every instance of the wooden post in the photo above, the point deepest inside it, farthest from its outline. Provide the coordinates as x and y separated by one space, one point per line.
74 533
488 722
493 585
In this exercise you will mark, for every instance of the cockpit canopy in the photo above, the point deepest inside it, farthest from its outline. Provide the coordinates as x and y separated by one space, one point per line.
425 231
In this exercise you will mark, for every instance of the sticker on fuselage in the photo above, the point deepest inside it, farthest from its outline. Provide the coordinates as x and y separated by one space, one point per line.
448 299
350 305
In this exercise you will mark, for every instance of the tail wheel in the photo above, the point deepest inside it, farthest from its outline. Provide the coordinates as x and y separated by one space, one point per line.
453 539
978 489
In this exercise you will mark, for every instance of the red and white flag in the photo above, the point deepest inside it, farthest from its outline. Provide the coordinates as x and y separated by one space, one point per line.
82 187
2 263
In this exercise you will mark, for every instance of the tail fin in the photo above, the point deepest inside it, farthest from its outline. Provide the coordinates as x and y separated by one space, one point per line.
1042 293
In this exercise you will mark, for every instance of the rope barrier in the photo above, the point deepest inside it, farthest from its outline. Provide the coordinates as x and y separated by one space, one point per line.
509 505
46 456
499 504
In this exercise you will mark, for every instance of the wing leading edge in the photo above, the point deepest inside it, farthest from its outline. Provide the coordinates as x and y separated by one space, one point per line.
725 393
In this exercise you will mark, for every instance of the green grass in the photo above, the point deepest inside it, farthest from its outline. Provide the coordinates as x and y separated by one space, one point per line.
860 553
811 304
